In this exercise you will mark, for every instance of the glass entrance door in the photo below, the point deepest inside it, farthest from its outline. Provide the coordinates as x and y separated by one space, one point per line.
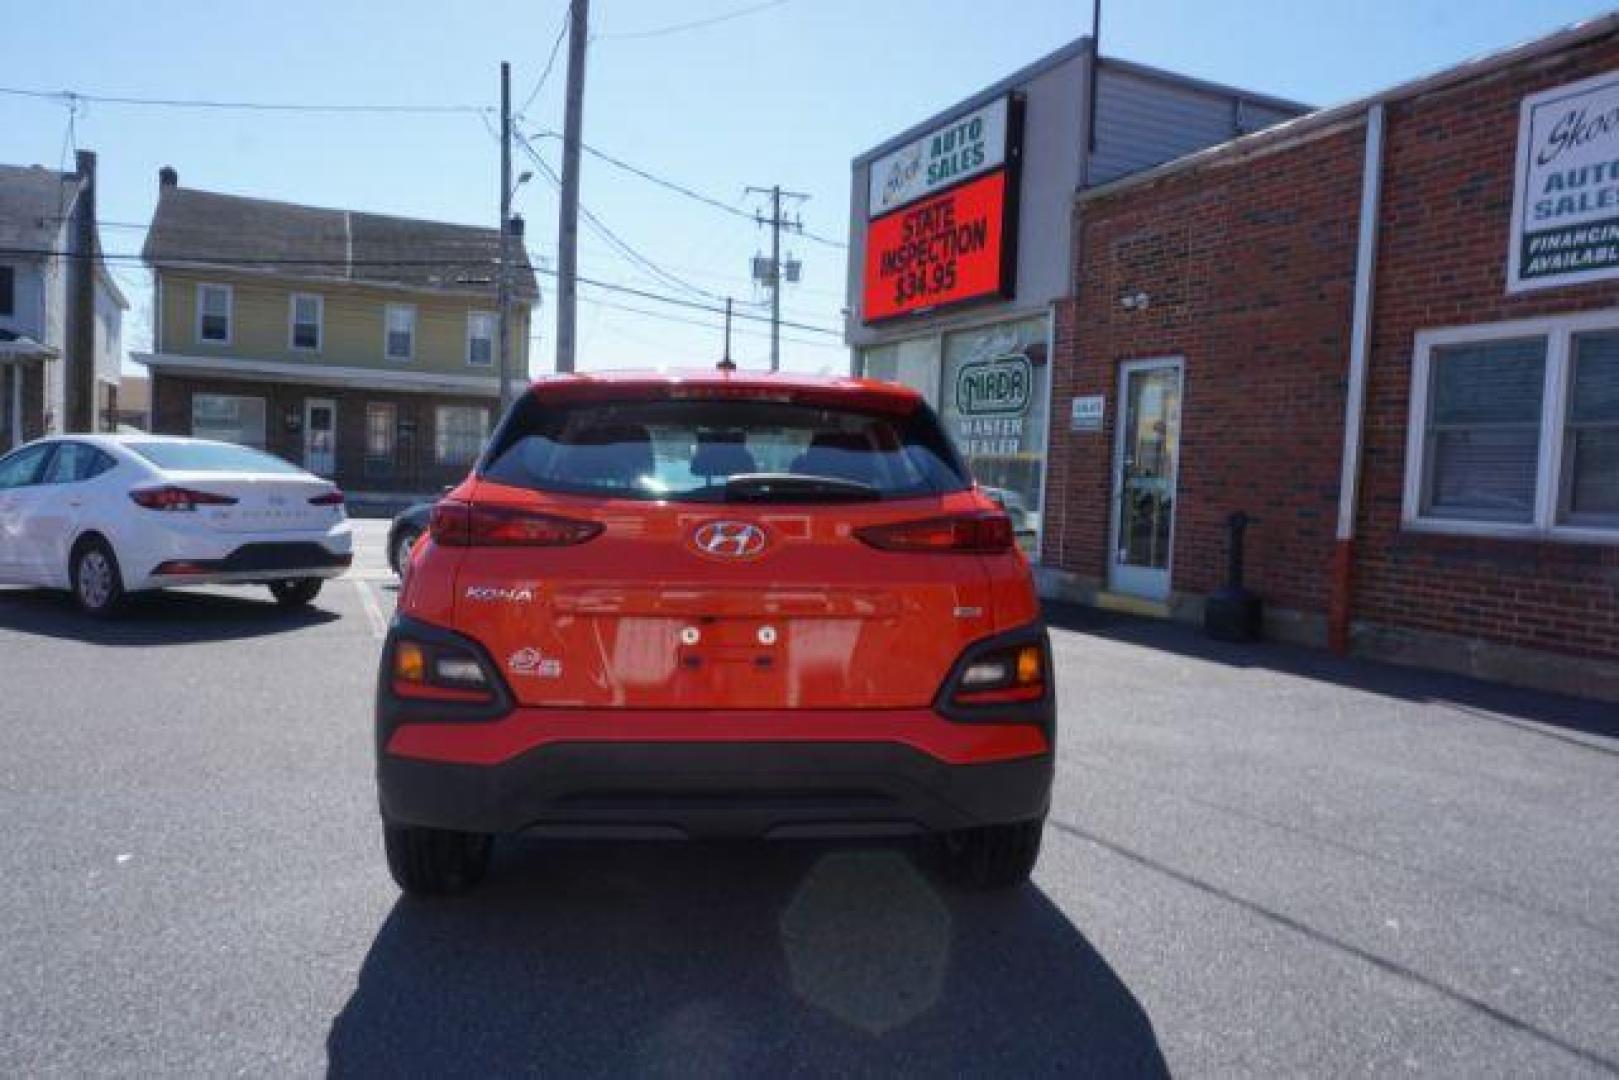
1145 464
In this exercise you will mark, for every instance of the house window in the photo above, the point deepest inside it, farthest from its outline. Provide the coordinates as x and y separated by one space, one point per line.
480 338
1515 429
400 322
8 290
228 418
308 313
459 432
214 313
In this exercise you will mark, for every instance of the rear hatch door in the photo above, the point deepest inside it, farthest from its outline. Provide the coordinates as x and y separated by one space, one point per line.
693 596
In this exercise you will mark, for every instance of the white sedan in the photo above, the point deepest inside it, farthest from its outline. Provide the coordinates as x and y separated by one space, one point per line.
104 516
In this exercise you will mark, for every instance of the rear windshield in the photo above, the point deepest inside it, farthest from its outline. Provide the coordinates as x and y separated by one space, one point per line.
210 457
694 450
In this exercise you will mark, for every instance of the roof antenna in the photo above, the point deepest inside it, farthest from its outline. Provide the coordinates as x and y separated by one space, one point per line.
726 363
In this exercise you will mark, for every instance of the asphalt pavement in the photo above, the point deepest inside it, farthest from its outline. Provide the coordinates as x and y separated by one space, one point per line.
1260 861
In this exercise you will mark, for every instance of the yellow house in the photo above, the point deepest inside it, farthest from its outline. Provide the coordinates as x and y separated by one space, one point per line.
360 346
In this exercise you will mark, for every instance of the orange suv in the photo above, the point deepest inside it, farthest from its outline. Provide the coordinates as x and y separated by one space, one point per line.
715 604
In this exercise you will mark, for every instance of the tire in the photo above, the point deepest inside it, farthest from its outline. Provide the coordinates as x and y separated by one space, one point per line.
399 554
98 584
991 856
295 592
435 862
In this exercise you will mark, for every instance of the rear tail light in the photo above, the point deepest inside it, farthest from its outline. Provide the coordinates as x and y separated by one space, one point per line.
438 672
333 497
1013 674
985 533
459 524
170 497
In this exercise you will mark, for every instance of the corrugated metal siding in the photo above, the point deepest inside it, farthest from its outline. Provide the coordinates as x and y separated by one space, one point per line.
1142 122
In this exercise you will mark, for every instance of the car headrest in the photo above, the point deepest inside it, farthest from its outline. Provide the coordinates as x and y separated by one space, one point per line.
610 455
843 455
722 454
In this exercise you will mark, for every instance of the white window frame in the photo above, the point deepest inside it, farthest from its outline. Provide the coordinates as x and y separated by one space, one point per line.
320 322
494 336
440 427
230 313
387 310
1559 332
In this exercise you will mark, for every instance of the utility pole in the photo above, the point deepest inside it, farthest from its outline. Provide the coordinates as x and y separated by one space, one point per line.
568 225
726 363
79 370
772 277
503 282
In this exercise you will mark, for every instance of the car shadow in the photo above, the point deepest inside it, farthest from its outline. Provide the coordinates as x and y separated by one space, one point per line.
747 959
1530 710
165 617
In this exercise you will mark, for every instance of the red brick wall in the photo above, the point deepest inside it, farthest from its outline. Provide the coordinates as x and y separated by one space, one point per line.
1249 267
1447 189
1249 273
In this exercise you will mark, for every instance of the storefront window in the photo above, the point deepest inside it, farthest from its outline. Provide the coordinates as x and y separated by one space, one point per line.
992 398
914 363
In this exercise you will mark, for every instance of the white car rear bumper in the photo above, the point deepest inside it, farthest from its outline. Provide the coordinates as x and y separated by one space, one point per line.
191 556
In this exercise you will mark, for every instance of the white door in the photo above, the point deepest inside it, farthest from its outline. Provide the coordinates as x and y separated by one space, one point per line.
1146 460
19 490
320 436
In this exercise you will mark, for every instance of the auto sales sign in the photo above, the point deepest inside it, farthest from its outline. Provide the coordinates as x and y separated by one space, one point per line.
1565 203
943 215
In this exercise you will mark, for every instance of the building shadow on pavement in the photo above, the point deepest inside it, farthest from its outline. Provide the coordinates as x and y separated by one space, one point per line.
748 959
167 617
1481 700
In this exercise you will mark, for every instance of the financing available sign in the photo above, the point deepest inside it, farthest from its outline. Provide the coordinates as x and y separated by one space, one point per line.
1565 203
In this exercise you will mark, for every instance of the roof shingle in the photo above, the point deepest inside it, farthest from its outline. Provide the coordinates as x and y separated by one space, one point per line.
289 240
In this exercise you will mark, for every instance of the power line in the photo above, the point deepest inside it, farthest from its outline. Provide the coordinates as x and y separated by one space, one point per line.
612 238
550 61
695 24
70 97
681 189
228 262
758 334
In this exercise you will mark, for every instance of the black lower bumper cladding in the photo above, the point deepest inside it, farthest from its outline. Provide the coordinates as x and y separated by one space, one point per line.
696 789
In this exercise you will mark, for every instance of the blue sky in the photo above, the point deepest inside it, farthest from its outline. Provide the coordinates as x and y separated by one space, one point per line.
786 94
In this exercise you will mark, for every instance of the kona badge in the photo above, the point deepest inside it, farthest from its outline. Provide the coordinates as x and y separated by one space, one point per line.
494 592
729 539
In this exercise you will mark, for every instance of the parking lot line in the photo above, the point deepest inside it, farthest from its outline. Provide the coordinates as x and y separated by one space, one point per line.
373 612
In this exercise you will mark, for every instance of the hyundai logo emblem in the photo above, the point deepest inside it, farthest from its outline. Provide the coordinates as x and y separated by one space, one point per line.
730 539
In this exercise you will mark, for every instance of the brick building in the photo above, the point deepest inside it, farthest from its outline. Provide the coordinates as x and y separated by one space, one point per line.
1389 331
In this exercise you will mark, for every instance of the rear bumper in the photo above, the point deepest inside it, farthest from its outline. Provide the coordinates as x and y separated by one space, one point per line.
209 557
505 768
745 789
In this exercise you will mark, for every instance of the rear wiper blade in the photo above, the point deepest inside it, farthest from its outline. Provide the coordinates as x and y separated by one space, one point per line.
795 487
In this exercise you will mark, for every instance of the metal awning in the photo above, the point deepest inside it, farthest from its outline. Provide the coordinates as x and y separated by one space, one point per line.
18 348
233 367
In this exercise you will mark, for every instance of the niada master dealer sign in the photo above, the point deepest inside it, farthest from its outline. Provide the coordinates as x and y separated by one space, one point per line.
1565 203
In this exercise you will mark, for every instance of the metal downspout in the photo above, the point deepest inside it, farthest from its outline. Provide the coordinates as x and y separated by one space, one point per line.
1341 600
